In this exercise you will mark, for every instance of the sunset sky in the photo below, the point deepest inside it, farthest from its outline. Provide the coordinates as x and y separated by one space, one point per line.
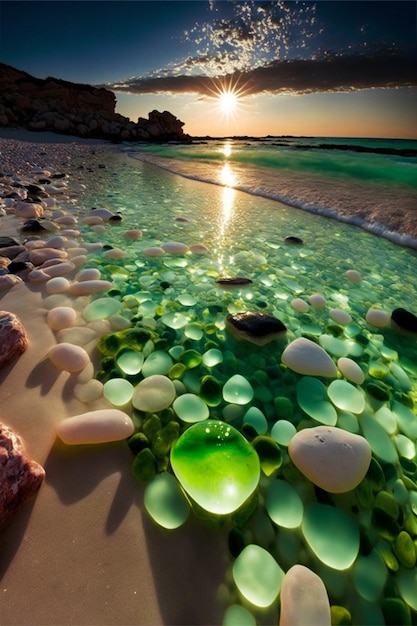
324 68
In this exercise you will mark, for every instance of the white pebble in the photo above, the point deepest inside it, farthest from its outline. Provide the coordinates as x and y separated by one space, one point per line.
300 305
68 357
317 300
59 284
87 287
306 357
339 316
101 426
304 599
61 317
90 273
58 269
153 251
353 276
378 318
90 392
351 370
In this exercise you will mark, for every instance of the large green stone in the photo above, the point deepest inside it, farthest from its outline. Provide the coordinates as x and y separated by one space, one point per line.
216 466
257 576
165 502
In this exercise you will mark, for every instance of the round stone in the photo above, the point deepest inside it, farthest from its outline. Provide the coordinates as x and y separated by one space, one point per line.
165 502
306 357
58 284
68 357
190 408
378 318
101 426
339 316
118 391
238 390
304 598
283 504
212 357
89 273
299 305
158 362
236 615
321 524
312 398
153 394
101 308
174 320
256 419
333 459
216 466
354 276
370 575
255 327
317 301
61 317
257 576
333 345
351 370
283 431
346 397
88 287
174 247
153 251
130 361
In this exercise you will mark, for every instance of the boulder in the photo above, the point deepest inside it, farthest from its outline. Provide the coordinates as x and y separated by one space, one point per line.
20 476
13 337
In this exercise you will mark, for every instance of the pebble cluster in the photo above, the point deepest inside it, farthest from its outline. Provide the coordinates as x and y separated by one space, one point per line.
298 441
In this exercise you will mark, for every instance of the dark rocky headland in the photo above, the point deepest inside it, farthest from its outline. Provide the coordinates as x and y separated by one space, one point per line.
60 106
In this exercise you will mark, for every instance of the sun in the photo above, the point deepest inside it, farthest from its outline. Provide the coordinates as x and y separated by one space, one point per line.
228 102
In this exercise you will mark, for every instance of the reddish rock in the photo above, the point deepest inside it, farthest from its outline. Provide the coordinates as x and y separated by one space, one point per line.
13 337
20 476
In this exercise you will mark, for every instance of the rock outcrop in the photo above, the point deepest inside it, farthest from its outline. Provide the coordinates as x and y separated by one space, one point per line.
68 108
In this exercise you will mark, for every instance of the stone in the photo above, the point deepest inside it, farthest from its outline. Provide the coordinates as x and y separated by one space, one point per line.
20 476
198 248
59 284
61 317
332 458
132 234
216 450
102 308
255 327
354 276
28 210
154 394
90 273
118 391
153 251
87 287
340 316
404 320
174 247
317 301
377 318
165 502
38 256
9 280
304 599
68 357
59 269
351 370
257 576
13 338
234 282
300 305
306 357
238 390
100 426
292 239
346 397
190 408
283 504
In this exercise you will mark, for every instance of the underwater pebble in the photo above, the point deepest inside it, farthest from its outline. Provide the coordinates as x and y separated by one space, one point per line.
290 515
61 317
306 357
304 599
354 276
153 394
132 234
153 251
198 248
238 390
351 370
101 426
333 459
68 357
339 316
59 269
118 391
101 308
378 318
59 284
300 305
190 408
174 247
346 397
317 301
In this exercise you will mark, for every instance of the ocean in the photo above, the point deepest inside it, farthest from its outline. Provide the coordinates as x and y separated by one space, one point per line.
371 183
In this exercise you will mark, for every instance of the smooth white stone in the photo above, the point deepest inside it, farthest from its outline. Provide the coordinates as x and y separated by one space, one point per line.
86 287
38 276
58 269
317 300
304 599
114 253
174 247
92 220
70 232
154 393
61 317
332 458
77 335
101 426
351 370
306 357
339 316
59 284
353 276
153 251
378 318
89 392
300 305
68 357
56 242
90 273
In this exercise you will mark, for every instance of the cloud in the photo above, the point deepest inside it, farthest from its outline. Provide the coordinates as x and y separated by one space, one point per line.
331 73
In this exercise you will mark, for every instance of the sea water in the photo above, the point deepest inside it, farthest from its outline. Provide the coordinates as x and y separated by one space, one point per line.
176 298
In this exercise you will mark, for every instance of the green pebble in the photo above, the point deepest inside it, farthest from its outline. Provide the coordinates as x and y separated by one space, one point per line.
138 442
395 612
144 465
284 408
109 344
410 524
151 427
176 371
211 390
378 392
385 501
165 438
340 616
269 453
385 550
405 550
191 358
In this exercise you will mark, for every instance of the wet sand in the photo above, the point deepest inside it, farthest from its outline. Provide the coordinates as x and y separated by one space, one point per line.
84 551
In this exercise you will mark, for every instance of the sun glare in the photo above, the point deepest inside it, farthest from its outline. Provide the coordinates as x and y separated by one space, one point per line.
228 101
228 96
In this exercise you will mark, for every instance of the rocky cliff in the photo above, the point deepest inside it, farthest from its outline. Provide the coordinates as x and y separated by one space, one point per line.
75 109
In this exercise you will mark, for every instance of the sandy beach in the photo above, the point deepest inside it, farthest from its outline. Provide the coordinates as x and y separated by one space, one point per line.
83 551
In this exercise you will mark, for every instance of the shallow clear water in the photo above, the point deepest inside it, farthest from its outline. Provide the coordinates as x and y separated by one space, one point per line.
176 297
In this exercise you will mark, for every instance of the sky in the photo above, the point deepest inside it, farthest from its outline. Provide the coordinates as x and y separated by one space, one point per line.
232 67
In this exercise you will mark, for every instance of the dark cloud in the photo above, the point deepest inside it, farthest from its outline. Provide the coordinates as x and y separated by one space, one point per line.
387 69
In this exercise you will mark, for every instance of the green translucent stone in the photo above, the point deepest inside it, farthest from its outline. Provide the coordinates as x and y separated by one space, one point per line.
237 615
151 427
378 370
176 371
101 309
158 362
130 361
118 391
269 454
385 550
283 431
238 390
407 585
340 616
216 466
190 358
211 391
312 398
257 576
321 524
190 408
385 501
404 549
379 440
406 419
284 408
193 331
256 419
144 465
369 576
283 504
164 439
334 346
165 502
346 397
176 352
174 320
186 299
212 357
